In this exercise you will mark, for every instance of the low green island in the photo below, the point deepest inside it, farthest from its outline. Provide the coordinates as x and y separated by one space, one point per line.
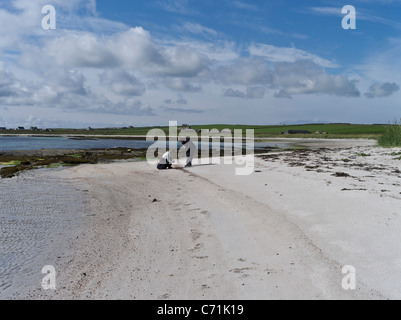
333 131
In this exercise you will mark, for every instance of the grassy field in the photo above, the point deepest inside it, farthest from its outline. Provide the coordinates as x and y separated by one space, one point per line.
332 130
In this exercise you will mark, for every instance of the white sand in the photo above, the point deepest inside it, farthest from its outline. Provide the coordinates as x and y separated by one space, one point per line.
285 232
41 215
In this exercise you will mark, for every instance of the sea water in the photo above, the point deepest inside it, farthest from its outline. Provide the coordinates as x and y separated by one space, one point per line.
65 143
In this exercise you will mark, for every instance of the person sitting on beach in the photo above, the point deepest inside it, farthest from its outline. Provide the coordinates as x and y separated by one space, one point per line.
165 162
190 148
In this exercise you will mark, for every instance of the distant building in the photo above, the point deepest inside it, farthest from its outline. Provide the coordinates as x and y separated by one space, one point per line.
20 128
34 129
3 128
297 132
89 129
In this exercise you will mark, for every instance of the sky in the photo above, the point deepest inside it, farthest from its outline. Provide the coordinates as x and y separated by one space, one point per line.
145 63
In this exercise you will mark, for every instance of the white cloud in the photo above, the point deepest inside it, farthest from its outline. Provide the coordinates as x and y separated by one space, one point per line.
250 93
362 14
280 54
134 49
306 77
330 11
176 6
180 100
380 66
198 29
243 5
7 84
181 84
129 107
104 68
217 50
122 82
245 71
21 19
255 92
182 110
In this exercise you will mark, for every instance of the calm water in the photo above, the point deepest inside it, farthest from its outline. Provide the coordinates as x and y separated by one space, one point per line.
38 143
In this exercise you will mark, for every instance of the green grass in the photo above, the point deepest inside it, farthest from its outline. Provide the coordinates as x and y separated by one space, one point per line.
53 166
10 163
261 131
331 129
140 158
392 135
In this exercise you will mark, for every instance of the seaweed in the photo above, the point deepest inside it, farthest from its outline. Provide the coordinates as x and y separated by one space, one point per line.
17 162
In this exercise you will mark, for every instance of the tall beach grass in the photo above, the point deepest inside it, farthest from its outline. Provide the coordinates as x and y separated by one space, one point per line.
392 135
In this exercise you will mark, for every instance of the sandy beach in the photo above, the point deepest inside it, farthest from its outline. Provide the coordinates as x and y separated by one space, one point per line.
128 231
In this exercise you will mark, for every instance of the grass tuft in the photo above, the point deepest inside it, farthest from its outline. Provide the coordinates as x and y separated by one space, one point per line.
392 135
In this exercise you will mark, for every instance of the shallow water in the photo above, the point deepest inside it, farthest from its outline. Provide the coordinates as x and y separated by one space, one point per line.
38 143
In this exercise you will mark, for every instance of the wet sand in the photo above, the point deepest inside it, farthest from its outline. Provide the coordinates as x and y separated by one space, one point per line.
128 231
41 214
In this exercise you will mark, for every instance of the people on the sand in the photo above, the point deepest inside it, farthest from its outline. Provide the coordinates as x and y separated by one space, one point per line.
190 148
165 162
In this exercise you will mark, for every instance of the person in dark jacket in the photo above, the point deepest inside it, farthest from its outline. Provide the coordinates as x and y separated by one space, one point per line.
190 148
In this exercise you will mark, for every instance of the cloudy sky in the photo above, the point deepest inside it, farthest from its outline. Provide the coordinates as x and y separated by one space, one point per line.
120 63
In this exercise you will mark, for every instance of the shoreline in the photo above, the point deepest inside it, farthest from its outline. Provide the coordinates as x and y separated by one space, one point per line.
284 232
135 137
32 159
23 160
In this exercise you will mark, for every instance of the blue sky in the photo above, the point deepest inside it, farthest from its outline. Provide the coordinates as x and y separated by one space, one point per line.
118 63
